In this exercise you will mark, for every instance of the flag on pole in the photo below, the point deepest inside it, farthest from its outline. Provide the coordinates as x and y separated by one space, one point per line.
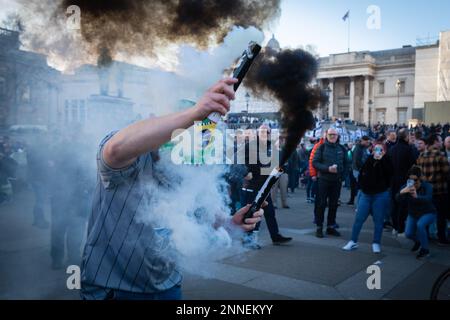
347 15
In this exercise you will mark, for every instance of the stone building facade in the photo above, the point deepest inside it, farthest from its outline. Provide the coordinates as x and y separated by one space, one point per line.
386 86
29 88
370 87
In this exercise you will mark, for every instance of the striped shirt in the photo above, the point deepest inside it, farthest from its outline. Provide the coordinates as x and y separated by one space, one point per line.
435 170
121 252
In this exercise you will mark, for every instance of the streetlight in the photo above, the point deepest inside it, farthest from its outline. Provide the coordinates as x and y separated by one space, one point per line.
328 92
370 113
247 99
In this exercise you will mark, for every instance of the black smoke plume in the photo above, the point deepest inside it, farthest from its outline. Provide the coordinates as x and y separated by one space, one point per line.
287 76
140 26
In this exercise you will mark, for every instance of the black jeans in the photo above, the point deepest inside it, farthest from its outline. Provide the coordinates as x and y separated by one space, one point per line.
440 202
327 191
353 187
269 214
399 213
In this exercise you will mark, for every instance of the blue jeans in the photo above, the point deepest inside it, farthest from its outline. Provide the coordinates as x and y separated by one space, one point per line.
416 228
376 205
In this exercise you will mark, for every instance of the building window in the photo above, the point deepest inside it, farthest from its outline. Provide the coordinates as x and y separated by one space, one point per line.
2 86
59 116
25 94
74 110
402 116
347 89
66 111
381 87
402 86
82 111
381 116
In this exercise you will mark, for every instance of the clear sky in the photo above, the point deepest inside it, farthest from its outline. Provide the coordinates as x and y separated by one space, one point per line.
319 22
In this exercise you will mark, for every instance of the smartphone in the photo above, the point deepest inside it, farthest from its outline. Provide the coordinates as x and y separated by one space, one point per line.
410 183
378 151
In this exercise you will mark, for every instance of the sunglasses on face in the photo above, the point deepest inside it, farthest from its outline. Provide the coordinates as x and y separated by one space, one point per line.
331 135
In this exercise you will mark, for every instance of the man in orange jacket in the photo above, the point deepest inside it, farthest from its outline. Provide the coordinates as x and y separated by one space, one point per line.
313 171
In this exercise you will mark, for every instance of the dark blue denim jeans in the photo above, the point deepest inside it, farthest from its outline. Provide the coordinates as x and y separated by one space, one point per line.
376 205
416 228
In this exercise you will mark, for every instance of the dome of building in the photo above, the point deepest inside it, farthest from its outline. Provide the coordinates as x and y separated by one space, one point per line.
274 44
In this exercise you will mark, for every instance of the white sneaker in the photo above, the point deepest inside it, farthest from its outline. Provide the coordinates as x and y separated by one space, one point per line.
351 245
394 232
376 248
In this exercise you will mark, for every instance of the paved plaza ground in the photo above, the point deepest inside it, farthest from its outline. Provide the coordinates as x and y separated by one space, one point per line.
307 268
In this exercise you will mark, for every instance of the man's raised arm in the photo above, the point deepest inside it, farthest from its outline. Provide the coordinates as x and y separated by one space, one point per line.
148 135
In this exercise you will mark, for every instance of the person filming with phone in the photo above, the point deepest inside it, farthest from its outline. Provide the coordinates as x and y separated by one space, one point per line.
418 195
374 180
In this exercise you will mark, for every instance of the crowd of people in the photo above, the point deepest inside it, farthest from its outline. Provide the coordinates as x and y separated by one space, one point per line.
250 122
398 175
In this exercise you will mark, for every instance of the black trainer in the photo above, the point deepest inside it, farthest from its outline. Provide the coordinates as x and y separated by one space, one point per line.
416 246
319 233
281 240
333 232
423 253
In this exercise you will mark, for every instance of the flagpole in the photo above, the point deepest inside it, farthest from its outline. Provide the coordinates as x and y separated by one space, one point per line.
348 33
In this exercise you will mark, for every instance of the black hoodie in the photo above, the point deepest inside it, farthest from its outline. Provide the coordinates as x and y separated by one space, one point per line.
375 175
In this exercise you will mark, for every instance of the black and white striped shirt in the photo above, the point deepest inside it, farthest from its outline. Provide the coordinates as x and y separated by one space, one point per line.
121 252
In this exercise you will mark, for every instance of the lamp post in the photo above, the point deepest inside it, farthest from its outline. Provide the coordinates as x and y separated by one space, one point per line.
370 113
328 92
247 99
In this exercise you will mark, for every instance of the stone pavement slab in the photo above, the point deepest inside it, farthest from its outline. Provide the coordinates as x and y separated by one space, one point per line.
301 261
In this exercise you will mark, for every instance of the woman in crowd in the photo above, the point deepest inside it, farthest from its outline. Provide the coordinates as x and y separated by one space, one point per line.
374 181
418 195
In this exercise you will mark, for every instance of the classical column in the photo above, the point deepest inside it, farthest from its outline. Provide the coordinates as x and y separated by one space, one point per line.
366 100
331 104
352 98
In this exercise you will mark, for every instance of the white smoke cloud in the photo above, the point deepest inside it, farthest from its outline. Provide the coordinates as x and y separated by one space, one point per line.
191 71
188 209
200 69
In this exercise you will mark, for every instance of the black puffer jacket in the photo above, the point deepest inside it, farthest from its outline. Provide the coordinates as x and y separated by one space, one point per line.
330 154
